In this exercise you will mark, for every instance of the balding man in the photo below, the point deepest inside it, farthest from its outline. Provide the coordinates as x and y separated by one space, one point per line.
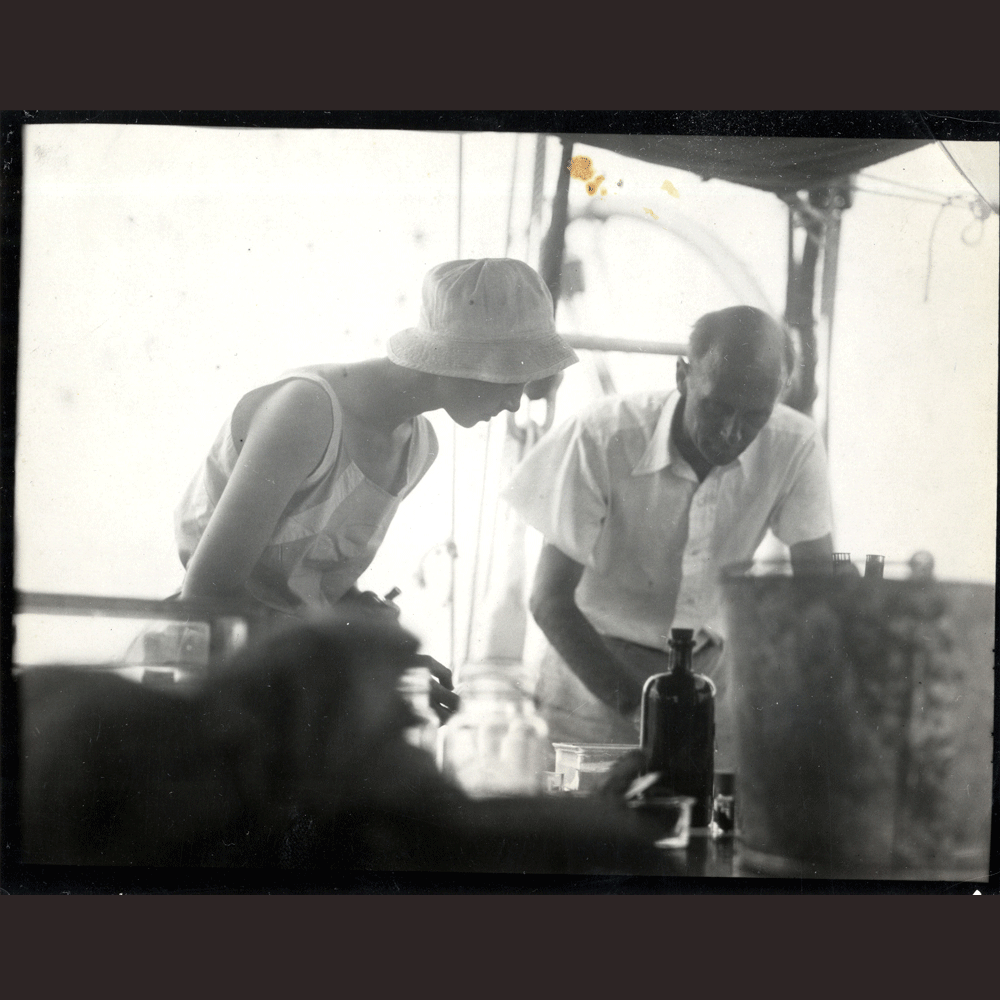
642 500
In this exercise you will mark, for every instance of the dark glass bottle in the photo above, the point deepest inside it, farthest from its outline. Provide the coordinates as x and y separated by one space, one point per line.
678 728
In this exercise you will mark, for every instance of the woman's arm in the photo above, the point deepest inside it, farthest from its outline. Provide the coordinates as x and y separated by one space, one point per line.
285 441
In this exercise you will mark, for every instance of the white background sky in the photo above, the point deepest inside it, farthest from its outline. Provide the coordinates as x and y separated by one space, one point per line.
167 270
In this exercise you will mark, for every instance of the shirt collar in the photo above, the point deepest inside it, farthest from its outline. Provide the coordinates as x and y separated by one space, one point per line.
662 453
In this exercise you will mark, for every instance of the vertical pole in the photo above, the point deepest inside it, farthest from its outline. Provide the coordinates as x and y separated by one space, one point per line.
551 257
537 191
452 547
554 244
799 303
819 219
458 217
834 200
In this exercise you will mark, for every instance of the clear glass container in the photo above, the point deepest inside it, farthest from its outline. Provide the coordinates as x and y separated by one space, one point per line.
584 767
415 687
495 744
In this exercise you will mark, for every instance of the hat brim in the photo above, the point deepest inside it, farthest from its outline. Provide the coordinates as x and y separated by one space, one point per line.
502 361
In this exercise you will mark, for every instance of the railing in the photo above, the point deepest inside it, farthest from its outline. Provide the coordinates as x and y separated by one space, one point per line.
596 342
228 626
31 602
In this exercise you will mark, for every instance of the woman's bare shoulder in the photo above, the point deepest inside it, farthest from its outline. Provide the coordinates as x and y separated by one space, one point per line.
297 395
296 416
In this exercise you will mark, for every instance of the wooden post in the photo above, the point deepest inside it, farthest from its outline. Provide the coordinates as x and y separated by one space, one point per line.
551 257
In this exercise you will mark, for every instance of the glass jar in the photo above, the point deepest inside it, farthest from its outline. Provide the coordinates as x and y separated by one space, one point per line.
415 687
495 744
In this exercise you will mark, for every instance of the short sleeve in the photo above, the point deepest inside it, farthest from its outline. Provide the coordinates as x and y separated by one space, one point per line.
804 512
561 489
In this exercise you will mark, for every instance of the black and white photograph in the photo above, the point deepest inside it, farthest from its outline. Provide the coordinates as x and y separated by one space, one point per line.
501 501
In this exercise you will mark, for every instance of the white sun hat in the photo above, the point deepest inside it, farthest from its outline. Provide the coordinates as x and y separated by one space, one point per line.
490 319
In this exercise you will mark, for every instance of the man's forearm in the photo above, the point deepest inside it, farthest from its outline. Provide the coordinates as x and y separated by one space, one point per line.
583 650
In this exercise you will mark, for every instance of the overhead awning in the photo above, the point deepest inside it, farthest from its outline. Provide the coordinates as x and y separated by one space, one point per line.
781 165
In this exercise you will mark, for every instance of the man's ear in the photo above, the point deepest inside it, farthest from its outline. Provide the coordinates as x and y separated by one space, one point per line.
682 373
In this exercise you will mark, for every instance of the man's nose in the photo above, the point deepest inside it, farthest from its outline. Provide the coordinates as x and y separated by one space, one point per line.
732 429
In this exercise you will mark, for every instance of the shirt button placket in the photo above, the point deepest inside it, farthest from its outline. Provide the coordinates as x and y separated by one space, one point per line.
697 552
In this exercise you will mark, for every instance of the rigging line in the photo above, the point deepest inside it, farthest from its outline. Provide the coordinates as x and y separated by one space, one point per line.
479 535
948 200
912 187
452 550
496 504
930 251
968 179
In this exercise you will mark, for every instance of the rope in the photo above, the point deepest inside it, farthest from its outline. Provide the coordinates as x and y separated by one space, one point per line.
479 535
968 179
912 187
930 251
452 548
942 200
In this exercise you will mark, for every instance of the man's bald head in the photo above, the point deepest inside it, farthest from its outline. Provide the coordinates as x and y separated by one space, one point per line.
739 362
743 338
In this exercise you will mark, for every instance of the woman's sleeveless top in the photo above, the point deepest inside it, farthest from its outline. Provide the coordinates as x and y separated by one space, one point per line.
333 525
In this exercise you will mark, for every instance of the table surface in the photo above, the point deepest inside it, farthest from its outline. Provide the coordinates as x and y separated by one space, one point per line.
705 856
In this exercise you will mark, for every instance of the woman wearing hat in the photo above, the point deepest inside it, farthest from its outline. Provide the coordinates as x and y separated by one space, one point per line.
298 490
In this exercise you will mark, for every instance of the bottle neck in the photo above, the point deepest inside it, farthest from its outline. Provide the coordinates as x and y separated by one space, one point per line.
681 656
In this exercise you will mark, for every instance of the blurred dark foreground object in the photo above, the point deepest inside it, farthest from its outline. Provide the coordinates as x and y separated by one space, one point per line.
864 728
291 756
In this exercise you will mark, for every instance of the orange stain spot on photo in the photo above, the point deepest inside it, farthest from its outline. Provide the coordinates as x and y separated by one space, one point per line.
649 211
670 189
581 168
593 185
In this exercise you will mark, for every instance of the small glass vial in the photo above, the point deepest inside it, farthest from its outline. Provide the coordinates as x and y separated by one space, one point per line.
842 563
415 687
724 806
874 567
495 744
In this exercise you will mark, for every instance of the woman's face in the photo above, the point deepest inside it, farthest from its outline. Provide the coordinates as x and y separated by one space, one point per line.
468 401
